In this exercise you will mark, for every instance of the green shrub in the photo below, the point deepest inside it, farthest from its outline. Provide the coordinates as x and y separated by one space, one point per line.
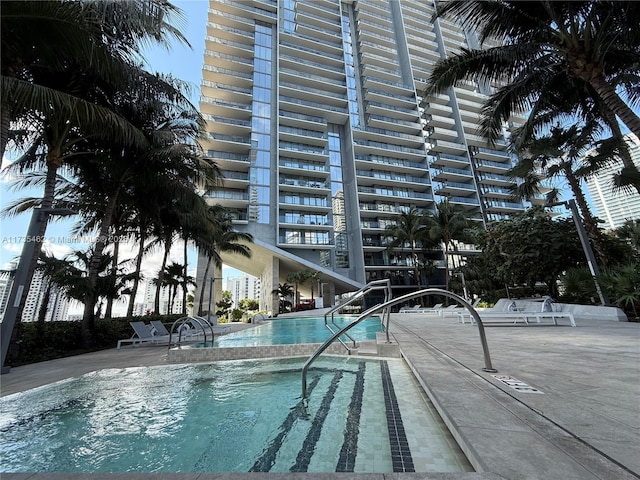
45 341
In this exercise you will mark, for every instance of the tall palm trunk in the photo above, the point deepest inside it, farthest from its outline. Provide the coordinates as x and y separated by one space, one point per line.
114 273
42 312
156 303
136 273
91 298
615 103
446 265
590 224
54 160
184 279
416 269
203 286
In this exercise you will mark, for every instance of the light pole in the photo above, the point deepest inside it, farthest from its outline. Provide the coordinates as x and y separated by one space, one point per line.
211 297
586 246
464 285
38 217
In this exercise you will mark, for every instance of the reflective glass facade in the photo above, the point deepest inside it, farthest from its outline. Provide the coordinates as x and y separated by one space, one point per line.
316 118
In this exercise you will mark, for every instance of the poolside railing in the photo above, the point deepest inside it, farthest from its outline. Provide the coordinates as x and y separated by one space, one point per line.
369 287
387 305
199 321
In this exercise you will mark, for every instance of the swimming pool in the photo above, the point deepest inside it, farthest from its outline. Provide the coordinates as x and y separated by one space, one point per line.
235 416
289 331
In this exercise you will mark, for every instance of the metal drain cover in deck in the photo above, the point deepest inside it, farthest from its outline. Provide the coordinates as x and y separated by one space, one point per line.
516 384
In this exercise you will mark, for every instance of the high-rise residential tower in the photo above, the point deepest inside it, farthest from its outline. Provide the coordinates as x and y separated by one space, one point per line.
316 118
615 207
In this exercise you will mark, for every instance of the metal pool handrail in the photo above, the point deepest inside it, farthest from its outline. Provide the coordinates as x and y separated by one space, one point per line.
374 285
182 320
388 304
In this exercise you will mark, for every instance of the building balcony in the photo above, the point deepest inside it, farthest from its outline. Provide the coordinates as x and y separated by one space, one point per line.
376 177
503 207
293 165
331 113
447 188
492 167
301 120
229 198
318 9
434 120
319 22
494 179
452 174
443 134
383 122
443 146
366 193
311 31
464 201
235 180
391 164
491 153
379 135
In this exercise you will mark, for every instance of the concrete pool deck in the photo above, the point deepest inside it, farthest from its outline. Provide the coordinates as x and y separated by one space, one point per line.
584 425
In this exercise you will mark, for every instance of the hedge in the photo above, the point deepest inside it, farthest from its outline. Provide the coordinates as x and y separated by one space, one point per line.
45 341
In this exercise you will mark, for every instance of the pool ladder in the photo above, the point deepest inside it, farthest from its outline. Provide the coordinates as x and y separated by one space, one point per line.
197 322
385 307
369 287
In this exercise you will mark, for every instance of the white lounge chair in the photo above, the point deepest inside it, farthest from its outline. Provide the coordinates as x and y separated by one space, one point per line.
515 313
159 328
455 309
142 334
419 309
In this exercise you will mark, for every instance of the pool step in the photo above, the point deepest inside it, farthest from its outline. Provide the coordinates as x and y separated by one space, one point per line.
380 347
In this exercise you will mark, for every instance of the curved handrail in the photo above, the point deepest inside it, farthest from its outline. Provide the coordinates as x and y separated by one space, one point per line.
204 322
183 320
429 291
358 294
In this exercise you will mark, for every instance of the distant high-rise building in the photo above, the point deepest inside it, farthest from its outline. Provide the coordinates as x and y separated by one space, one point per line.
58 308
243 287
615 207
5 289
34 298
316 118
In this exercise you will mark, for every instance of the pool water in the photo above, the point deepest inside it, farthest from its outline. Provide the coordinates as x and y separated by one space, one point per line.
235 416
288 331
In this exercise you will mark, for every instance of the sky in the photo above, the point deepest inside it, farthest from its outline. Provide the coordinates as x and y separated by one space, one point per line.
180 61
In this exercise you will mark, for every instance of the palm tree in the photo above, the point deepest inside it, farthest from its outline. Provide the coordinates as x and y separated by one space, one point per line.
44 39
63 63
54 271
296 278
548 48
283 291
218 236
447 225
594 41
630 231
171 279
563 153
171 162
410 228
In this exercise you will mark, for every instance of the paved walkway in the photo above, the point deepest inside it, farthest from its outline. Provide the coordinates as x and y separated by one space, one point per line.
585 425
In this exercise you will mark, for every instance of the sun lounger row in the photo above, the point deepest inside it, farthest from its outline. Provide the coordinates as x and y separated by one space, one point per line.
438 309
516 316
421 309
157 333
